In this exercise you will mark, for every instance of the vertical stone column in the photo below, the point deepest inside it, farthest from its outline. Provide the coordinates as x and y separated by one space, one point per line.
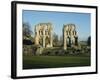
51 39
44 38
65 38
36 36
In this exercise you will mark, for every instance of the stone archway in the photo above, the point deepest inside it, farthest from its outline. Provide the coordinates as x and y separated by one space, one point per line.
47 42
68 41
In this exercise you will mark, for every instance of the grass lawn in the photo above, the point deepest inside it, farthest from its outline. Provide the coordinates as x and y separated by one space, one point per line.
33 62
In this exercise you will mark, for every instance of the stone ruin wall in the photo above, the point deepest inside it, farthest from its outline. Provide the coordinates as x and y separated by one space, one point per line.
43 34
70 37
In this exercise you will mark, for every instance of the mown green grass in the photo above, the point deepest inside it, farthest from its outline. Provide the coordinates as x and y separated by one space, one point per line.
33 62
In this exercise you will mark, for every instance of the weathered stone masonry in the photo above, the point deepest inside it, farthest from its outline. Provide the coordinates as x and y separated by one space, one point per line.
43 34
70 37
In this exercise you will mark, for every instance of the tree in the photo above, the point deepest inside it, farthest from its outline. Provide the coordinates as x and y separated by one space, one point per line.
61 40
26 31
55 39
27 38
89 41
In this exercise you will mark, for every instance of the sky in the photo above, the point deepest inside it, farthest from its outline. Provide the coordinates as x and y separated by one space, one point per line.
58 19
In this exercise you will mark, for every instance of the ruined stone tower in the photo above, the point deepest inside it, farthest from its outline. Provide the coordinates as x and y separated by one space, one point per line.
70 37
43 34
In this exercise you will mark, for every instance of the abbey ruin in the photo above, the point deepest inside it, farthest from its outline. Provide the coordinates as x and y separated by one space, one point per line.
44 35
70 37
